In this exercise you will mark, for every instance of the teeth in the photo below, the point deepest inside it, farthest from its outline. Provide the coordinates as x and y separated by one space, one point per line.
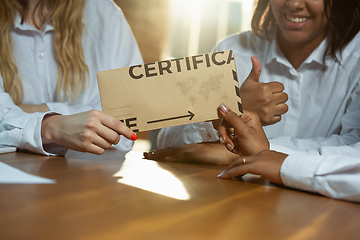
296 20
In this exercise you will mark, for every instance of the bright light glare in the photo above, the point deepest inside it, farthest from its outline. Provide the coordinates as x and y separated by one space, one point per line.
149 176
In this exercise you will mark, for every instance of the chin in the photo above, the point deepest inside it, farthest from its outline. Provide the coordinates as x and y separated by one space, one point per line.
297 38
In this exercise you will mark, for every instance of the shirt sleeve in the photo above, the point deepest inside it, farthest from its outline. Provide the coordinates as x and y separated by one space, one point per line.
349 134
186 134
23 130
335 176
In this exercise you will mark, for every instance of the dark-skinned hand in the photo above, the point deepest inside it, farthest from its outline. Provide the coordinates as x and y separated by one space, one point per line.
266 99
210 153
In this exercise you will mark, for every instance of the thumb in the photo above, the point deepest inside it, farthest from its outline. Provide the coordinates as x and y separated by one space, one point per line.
254 75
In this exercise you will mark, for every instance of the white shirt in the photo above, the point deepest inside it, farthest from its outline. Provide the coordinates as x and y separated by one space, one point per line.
108 43
324 103
331 171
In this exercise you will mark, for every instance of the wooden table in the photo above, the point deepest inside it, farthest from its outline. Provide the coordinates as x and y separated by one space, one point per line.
87 202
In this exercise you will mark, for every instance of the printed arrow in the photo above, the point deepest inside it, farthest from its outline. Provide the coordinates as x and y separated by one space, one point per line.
173 118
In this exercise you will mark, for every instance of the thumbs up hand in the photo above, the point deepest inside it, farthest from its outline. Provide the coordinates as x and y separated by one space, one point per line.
266 99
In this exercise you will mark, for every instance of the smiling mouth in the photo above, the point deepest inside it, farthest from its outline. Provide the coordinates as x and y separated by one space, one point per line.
296 19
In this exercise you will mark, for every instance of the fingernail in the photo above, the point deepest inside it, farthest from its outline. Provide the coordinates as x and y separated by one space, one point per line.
224 108
229 147
134 137
221 140
235 151
221 174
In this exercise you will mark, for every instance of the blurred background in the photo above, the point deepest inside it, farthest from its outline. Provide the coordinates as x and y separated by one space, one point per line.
178 28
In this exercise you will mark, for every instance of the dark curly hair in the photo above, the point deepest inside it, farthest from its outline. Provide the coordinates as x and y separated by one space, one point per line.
343 17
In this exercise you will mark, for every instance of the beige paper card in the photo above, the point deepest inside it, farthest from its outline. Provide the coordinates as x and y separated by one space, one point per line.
171 92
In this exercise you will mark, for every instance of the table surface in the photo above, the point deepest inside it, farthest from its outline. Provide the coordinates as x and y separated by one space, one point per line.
88 202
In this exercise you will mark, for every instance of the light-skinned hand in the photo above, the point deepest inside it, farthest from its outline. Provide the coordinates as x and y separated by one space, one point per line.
92 131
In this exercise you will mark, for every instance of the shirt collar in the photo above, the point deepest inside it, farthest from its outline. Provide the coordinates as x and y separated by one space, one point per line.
275 54
27 27
318 54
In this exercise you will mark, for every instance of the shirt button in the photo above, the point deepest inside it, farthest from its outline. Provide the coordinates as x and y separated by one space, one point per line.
42 55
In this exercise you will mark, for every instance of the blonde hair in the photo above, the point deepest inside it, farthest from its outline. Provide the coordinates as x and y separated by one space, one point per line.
66 17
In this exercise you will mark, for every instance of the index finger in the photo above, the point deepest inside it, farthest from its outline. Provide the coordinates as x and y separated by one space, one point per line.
117 126
240 167
161 153
224 130
276 87
232 118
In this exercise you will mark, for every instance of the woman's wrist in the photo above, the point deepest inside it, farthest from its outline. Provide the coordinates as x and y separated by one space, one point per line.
46 132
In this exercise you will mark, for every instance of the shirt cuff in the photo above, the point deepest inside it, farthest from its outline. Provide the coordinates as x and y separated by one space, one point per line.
187 134
298 171
52 148
281 148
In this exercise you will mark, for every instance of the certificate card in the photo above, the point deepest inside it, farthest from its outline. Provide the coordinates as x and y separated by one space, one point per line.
171 92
